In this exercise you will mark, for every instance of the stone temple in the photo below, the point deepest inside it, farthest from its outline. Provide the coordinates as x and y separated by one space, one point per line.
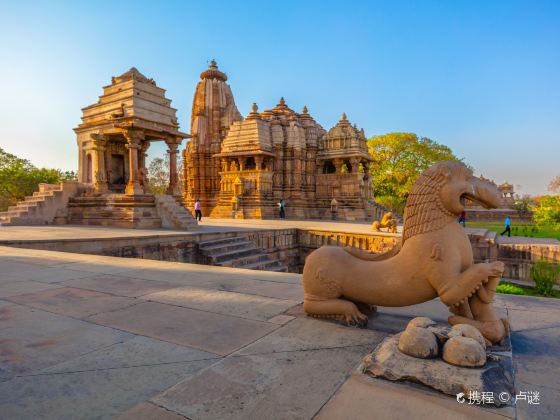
237 167
113 140
242 167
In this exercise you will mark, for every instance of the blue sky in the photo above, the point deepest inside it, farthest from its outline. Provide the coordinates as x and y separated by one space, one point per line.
482 77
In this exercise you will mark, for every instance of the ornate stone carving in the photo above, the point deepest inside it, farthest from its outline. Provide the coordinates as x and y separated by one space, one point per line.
434 259
290 145
114 134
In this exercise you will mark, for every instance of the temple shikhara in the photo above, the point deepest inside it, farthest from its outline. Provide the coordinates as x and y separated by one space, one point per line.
242 167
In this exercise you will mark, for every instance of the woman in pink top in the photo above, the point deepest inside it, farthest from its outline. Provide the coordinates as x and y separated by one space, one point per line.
197 211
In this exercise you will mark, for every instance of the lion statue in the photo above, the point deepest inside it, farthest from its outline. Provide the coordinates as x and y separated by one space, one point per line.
387 221
434 259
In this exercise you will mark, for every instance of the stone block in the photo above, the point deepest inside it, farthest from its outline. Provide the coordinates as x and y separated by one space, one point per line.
206 331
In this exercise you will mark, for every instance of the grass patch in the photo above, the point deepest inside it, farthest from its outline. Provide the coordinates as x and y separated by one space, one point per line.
513 289
519 229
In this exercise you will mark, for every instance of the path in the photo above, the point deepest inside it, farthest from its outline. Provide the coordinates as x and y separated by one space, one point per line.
85 336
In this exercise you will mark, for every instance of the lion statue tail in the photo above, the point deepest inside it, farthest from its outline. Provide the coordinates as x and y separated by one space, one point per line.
366 256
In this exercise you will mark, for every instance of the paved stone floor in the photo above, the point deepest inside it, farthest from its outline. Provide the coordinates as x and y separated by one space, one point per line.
29 233
84 336
22 233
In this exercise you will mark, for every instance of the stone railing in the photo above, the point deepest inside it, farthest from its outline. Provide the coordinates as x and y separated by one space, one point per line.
291 246
280 244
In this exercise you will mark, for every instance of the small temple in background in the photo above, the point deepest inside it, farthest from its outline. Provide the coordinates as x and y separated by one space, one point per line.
475 212
242 167
113 141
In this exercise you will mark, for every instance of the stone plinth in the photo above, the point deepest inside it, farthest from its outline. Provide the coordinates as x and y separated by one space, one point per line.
120 210
496 376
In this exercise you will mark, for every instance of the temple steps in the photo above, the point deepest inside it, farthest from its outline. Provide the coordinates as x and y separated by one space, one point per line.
174 215
238 252
39 208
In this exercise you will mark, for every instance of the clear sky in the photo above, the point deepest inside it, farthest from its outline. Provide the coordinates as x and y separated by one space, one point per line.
482 77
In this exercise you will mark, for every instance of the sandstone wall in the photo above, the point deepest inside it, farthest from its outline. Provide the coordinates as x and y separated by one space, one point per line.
291 246
497 215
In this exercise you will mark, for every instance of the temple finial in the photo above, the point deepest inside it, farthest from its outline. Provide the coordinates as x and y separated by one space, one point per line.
254 115
343 117
213 64
304 110
282 101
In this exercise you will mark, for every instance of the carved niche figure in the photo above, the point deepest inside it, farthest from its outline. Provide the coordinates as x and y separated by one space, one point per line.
434 259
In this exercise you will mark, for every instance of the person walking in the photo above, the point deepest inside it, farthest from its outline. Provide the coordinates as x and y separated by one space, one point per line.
334 208
281 206
197 210
462 218
507 224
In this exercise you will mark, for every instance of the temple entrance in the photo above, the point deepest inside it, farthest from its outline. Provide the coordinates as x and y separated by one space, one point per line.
329 168
117 179
250 164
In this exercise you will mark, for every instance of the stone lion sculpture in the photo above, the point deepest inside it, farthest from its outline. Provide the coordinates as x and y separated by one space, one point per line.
434 259
387 221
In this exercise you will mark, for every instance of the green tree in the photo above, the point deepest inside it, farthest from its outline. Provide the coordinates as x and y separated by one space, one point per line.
19 178
398 160
158 174
547 213
523 204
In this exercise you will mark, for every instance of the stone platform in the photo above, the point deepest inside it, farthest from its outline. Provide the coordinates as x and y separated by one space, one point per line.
85 336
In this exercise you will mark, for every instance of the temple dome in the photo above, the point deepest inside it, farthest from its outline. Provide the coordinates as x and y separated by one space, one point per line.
132 74
213 73
343 129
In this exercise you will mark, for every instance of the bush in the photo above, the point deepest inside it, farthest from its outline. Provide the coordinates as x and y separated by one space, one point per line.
510 289
395 204
548 212
523 205
544 274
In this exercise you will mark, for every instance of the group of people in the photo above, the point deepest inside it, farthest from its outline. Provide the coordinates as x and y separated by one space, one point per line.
507 223
198 209
282 213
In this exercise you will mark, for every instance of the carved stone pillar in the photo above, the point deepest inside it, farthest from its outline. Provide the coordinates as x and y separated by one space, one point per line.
143 171
173 188
134 139
99 172
258 162
338 165
355 163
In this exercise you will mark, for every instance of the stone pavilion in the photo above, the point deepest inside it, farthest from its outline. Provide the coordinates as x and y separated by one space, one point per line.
113 140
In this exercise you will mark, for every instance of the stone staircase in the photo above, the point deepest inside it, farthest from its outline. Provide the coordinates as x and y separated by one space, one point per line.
237 252
174 215
41 207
